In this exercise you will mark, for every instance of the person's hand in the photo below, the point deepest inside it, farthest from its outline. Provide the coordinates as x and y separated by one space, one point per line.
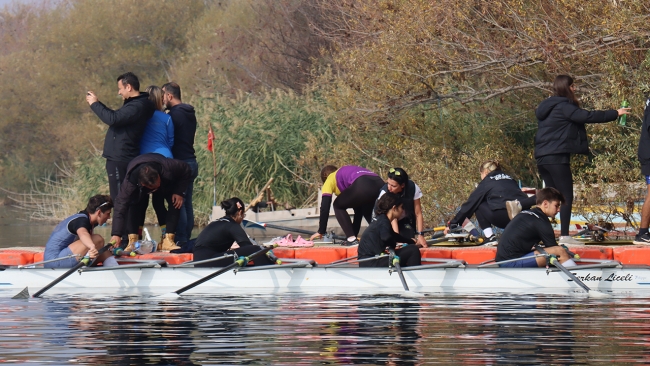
447 230
91 98
177 201
421 242
116 240
92 253
316 236
622 111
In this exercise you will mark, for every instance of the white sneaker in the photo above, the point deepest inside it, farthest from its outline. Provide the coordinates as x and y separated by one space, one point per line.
513 208
567 240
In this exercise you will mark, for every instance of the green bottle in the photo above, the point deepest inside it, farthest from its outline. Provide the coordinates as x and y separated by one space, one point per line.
622 120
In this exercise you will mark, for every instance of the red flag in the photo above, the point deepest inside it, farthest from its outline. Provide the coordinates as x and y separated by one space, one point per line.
210 138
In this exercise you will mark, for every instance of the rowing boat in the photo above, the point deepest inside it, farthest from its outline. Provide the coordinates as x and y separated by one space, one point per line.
153 277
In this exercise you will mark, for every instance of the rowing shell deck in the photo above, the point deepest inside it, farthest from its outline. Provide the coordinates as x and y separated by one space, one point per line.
321 280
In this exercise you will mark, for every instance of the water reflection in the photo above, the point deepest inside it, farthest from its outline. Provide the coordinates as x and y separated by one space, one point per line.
292 329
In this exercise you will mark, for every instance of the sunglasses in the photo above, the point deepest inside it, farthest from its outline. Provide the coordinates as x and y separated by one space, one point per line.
394 171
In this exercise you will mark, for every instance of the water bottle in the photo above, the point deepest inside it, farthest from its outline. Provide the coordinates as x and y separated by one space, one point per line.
622 120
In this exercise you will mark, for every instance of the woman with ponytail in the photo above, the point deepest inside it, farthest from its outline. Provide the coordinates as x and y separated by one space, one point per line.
217 238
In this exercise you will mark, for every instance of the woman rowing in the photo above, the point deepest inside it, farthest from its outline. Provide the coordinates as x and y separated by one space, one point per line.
411 223
73 237
218 237
490 199
380 234
356 188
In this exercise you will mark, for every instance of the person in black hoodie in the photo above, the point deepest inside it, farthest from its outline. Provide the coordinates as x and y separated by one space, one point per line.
150 174
560 133
380 234
488 201
125 127
184 120
644 158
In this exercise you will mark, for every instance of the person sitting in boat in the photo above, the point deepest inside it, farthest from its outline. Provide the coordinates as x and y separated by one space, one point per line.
217 238
528 229
380 234
74 235
356 188
398 182
150 174
495 201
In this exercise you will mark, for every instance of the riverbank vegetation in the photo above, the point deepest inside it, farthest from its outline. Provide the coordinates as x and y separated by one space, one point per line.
290 85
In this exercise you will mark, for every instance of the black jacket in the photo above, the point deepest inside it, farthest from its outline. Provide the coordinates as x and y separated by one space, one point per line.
175 176
561 126
407 195
525 230
495 189
184 120
125 126
644 141
378 236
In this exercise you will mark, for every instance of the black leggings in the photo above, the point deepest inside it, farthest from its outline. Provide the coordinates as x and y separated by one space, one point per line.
408 256
116 171
559 177
138 211
202 253
487 217
360 197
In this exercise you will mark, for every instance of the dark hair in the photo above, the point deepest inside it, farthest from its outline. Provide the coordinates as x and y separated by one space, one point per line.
562 88
549 194
386 202
129 78
99 202
147 175
173 89
398 175
232 206
489 165
326 171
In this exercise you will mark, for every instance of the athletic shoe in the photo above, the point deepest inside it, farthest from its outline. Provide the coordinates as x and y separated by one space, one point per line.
491 241
513 208
567 240
642 239
347 243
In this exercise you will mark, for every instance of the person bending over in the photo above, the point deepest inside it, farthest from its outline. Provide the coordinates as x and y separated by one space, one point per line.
74 235
560 133
217 238
356 188
150 174
528 229
488 201
411 223
380 234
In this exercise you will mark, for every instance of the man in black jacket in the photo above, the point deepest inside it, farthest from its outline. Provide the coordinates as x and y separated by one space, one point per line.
184 120
644 158
150 174
125 127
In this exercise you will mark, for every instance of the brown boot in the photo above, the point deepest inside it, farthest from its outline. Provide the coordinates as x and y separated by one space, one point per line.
169 243
132 239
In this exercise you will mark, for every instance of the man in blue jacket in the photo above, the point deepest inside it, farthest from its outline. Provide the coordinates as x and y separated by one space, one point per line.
125 127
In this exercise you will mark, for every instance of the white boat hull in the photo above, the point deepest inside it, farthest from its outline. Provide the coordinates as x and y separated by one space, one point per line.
325 280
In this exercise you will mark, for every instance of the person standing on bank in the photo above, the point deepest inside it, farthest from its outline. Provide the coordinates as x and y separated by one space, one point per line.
561 132
184 120
411 223
356 188
150 174
125 127
644 158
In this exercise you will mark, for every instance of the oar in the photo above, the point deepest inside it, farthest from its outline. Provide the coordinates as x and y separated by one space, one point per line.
238 263
285 228
556 262
395 262
83 262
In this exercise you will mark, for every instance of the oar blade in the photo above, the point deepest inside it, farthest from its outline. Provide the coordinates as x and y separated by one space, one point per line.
22 295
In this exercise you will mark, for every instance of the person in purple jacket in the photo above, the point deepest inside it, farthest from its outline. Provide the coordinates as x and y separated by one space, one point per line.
356 188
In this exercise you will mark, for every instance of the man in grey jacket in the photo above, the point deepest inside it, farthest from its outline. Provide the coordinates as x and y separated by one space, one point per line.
125 127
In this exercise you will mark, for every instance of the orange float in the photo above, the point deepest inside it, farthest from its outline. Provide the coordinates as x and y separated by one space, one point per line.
444 253
474 255
282 252
16 257
38 257
322 255
593 252
632 254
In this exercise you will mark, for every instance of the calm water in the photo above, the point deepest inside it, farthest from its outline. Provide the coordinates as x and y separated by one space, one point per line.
307 330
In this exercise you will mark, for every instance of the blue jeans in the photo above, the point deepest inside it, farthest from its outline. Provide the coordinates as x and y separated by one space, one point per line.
186 218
